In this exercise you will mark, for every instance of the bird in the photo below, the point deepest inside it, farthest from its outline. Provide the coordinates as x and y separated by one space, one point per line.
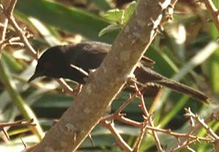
75 61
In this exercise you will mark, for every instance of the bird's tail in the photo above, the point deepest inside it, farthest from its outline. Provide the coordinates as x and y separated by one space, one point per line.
145 75
179 87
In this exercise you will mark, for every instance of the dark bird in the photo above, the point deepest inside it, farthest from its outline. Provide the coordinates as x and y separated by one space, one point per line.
75 61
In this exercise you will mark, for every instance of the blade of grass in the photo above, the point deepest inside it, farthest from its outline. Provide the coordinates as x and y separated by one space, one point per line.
170 115
18 100
199 58
13 64
213 71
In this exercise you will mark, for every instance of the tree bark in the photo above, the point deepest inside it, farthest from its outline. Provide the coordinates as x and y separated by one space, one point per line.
106 82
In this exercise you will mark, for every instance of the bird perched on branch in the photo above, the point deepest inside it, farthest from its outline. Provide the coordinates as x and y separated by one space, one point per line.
75 61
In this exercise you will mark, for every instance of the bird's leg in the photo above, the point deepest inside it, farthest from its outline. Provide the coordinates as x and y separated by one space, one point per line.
77 89
130 81
86 79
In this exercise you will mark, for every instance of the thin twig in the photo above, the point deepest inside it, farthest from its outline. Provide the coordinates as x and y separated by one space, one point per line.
149 121
3 29
213 11
107 122
140 138
184 141
24 143
3 33
117 114
202 122
177 135
117 136
17 123
129 121
19 31
9 14
5 133
183 145
29 148
11 7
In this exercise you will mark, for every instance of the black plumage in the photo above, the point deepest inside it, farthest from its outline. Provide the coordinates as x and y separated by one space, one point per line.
75 61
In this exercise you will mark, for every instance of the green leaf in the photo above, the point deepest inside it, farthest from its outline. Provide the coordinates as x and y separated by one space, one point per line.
114 15
51 100
164 64
213 31
66 18
109 28
129 10
23 107
213 71
215 2
103 4
13 64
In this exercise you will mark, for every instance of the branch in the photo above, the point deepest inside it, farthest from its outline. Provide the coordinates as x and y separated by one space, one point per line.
213 11
15 123
9 14
119 139
4 24
177 135
148 120
201 122
185 142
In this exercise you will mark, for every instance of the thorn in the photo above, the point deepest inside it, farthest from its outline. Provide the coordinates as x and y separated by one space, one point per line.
199 1
161 5
147 59
75 137
1 9
23 142
169 12
38 54
91 140
145 117
152 22
160 30
5 133
209 20
77 89
122 114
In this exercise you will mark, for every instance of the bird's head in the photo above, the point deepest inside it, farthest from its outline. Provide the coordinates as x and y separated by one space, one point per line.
52 63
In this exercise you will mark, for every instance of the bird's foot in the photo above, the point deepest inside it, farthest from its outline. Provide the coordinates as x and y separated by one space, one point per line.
77 89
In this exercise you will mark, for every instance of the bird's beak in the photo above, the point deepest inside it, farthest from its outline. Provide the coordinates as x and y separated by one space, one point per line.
34 76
